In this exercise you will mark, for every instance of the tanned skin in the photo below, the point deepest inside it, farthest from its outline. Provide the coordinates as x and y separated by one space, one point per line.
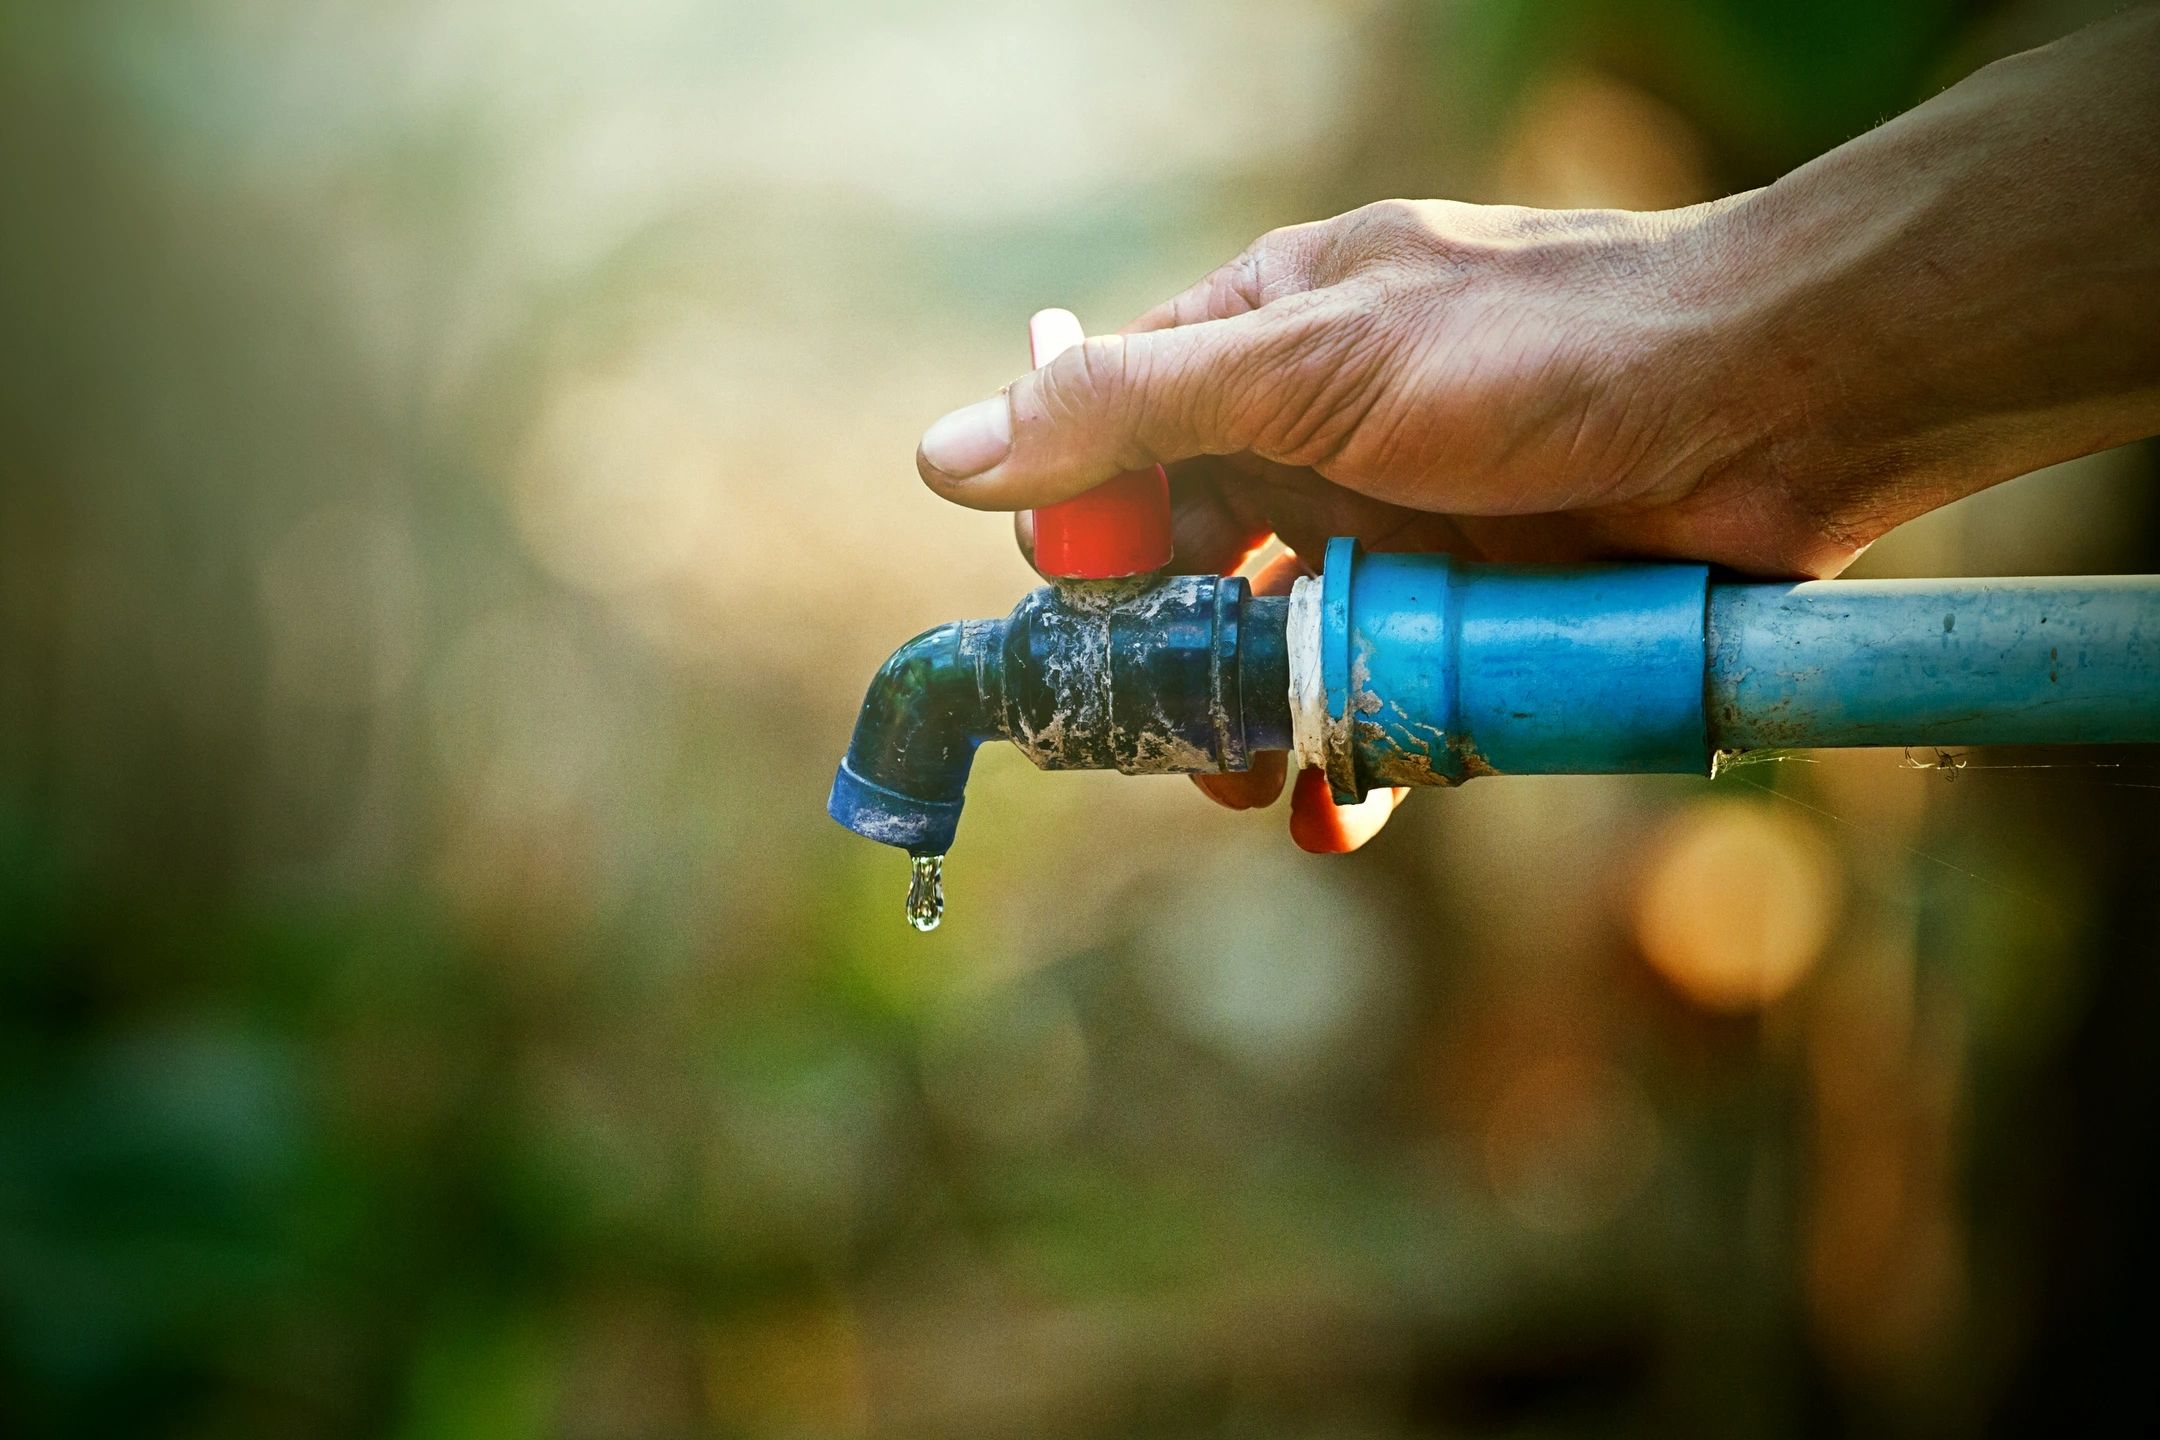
1769 382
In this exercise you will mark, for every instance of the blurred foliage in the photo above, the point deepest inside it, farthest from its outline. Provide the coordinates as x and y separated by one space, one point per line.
453 486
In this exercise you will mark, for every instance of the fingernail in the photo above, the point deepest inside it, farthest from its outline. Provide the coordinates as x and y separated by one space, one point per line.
970 441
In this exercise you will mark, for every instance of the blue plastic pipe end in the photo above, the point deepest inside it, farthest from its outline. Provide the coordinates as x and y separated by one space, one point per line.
1434 671
921 827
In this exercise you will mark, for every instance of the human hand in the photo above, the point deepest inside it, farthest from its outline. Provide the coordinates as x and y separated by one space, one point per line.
1768 382
1494 381
1364 350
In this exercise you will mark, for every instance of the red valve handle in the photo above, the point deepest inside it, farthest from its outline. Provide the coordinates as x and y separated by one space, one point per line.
1122 526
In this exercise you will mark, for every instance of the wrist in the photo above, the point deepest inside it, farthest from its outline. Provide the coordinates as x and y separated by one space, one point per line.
1735 465
1824 403
1957 297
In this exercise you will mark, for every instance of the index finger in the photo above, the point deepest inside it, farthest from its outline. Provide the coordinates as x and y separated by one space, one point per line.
1272 266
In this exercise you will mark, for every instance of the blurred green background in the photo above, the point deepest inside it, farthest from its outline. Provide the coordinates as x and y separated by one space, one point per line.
455 482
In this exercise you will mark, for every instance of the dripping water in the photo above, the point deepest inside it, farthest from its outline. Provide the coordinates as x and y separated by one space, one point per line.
926 891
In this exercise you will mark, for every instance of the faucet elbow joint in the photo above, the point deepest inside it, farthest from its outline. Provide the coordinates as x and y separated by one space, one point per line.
904 777
1178 676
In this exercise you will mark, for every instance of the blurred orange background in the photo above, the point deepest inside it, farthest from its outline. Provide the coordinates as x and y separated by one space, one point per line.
455 482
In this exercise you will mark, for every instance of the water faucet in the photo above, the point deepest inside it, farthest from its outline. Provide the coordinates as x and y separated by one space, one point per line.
1402 669
1186 674
1426 670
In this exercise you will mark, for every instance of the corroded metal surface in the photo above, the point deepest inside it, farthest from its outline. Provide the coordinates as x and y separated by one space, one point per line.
1178 676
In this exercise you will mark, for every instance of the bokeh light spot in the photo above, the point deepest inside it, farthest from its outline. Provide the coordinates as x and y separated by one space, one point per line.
1735 904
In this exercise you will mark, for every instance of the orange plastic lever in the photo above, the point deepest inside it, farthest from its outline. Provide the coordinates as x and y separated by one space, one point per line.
1122 526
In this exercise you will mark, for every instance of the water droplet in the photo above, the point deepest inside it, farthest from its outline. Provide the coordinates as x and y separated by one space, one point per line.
926 892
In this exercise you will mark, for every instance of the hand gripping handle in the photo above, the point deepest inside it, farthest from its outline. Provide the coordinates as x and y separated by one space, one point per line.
1122 526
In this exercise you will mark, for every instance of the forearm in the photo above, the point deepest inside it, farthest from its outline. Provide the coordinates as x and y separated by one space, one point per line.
1966 293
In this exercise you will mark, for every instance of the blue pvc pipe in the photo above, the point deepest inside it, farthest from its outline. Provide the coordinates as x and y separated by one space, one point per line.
1436 671
1936 662
1432 671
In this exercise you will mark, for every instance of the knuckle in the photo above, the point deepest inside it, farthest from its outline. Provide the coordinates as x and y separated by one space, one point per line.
1394 214
1081 378
1277 264
1379 233
1102 388
1110 368
1242 284
1326 376
1271 267
1389 227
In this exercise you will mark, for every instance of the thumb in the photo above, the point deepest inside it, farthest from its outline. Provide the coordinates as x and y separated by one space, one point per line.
1109 405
